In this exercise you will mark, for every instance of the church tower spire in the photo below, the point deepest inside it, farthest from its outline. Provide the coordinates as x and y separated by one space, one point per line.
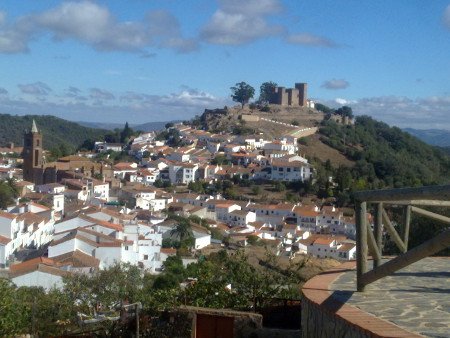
34 127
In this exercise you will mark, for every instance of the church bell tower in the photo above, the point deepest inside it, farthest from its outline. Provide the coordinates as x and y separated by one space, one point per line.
32 155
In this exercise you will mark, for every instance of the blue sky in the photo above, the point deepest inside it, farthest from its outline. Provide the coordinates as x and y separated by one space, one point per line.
158 60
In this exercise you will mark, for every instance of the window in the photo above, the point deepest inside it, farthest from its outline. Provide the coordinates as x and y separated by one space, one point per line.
145 257
126 247
288 170
37 143
36 157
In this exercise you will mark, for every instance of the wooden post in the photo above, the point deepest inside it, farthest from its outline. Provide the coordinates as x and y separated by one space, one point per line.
394 234
378 230
406 221
430 214
373 247
361 244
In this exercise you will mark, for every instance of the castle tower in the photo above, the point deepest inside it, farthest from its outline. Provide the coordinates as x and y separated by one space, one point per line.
32 155
302 95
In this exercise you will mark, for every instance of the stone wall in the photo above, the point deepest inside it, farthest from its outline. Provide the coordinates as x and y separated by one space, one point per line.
319 323
249 118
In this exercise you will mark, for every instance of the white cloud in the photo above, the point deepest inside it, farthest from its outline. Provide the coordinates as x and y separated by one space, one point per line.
37 88
252 7
309 39
335 84
446 17
239 22
92 24
100 104
13 38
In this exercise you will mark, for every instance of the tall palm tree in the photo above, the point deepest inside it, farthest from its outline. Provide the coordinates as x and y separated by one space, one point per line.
183 230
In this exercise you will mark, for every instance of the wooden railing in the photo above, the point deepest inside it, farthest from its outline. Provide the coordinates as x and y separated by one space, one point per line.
370 241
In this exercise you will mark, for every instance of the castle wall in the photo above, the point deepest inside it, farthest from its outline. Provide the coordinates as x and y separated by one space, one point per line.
302 88
282 96
291 96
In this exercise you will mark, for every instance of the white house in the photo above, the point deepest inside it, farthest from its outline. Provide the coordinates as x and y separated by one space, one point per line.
223 210
240 218
290 171
182 173
38 272
102 147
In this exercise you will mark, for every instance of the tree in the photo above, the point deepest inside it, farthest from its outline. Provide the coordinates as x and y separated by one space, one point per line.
256 190
344 111
266 91
126 133
242 93
323 108
8 191
182 231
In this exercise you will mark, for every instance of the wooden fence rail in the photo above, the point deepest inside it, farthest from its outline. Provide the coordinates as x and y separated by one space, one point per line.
368 241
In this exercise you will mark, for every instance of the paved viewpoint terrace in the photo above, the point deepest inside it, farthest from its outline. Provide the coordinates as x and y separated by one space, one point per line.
416 298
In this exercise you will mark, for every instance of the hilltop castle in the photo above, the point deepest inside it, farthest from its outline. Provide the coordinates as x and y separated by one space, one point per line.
290 96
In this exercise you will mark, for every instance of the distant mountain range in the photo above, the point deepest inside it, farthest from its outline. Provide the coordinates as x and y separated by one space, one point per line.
435 137
149 126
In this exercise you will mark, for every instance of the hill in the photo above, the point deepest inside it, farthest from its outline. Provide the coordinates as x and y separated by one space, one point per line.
386 156
230 120
55 131
367 155
435 137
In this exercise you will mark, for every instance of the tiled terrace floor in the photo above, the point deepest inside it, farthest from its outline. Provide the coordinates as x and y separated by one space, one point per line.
416 298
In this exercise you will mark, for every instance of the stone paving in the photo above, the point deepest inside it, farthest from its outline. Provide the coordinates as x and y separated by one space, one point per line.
416 298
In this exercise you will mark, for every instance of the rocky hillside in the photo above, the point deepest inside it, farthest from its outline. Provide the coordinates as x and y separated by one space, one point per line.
260 122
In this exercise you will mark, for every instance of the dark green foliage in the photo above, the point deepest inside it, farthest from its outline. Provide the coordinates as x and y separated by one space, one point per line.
55 131
252 239
198 186
242 93
126 133
8 191
279 186
171 136
344 111
385 156
33 311
266 91
220 159
159 183
323 108
60 151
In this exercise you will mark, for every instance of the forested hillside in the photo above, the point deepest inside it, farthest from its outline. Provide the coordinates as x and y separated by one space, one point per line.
55 131
386 156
